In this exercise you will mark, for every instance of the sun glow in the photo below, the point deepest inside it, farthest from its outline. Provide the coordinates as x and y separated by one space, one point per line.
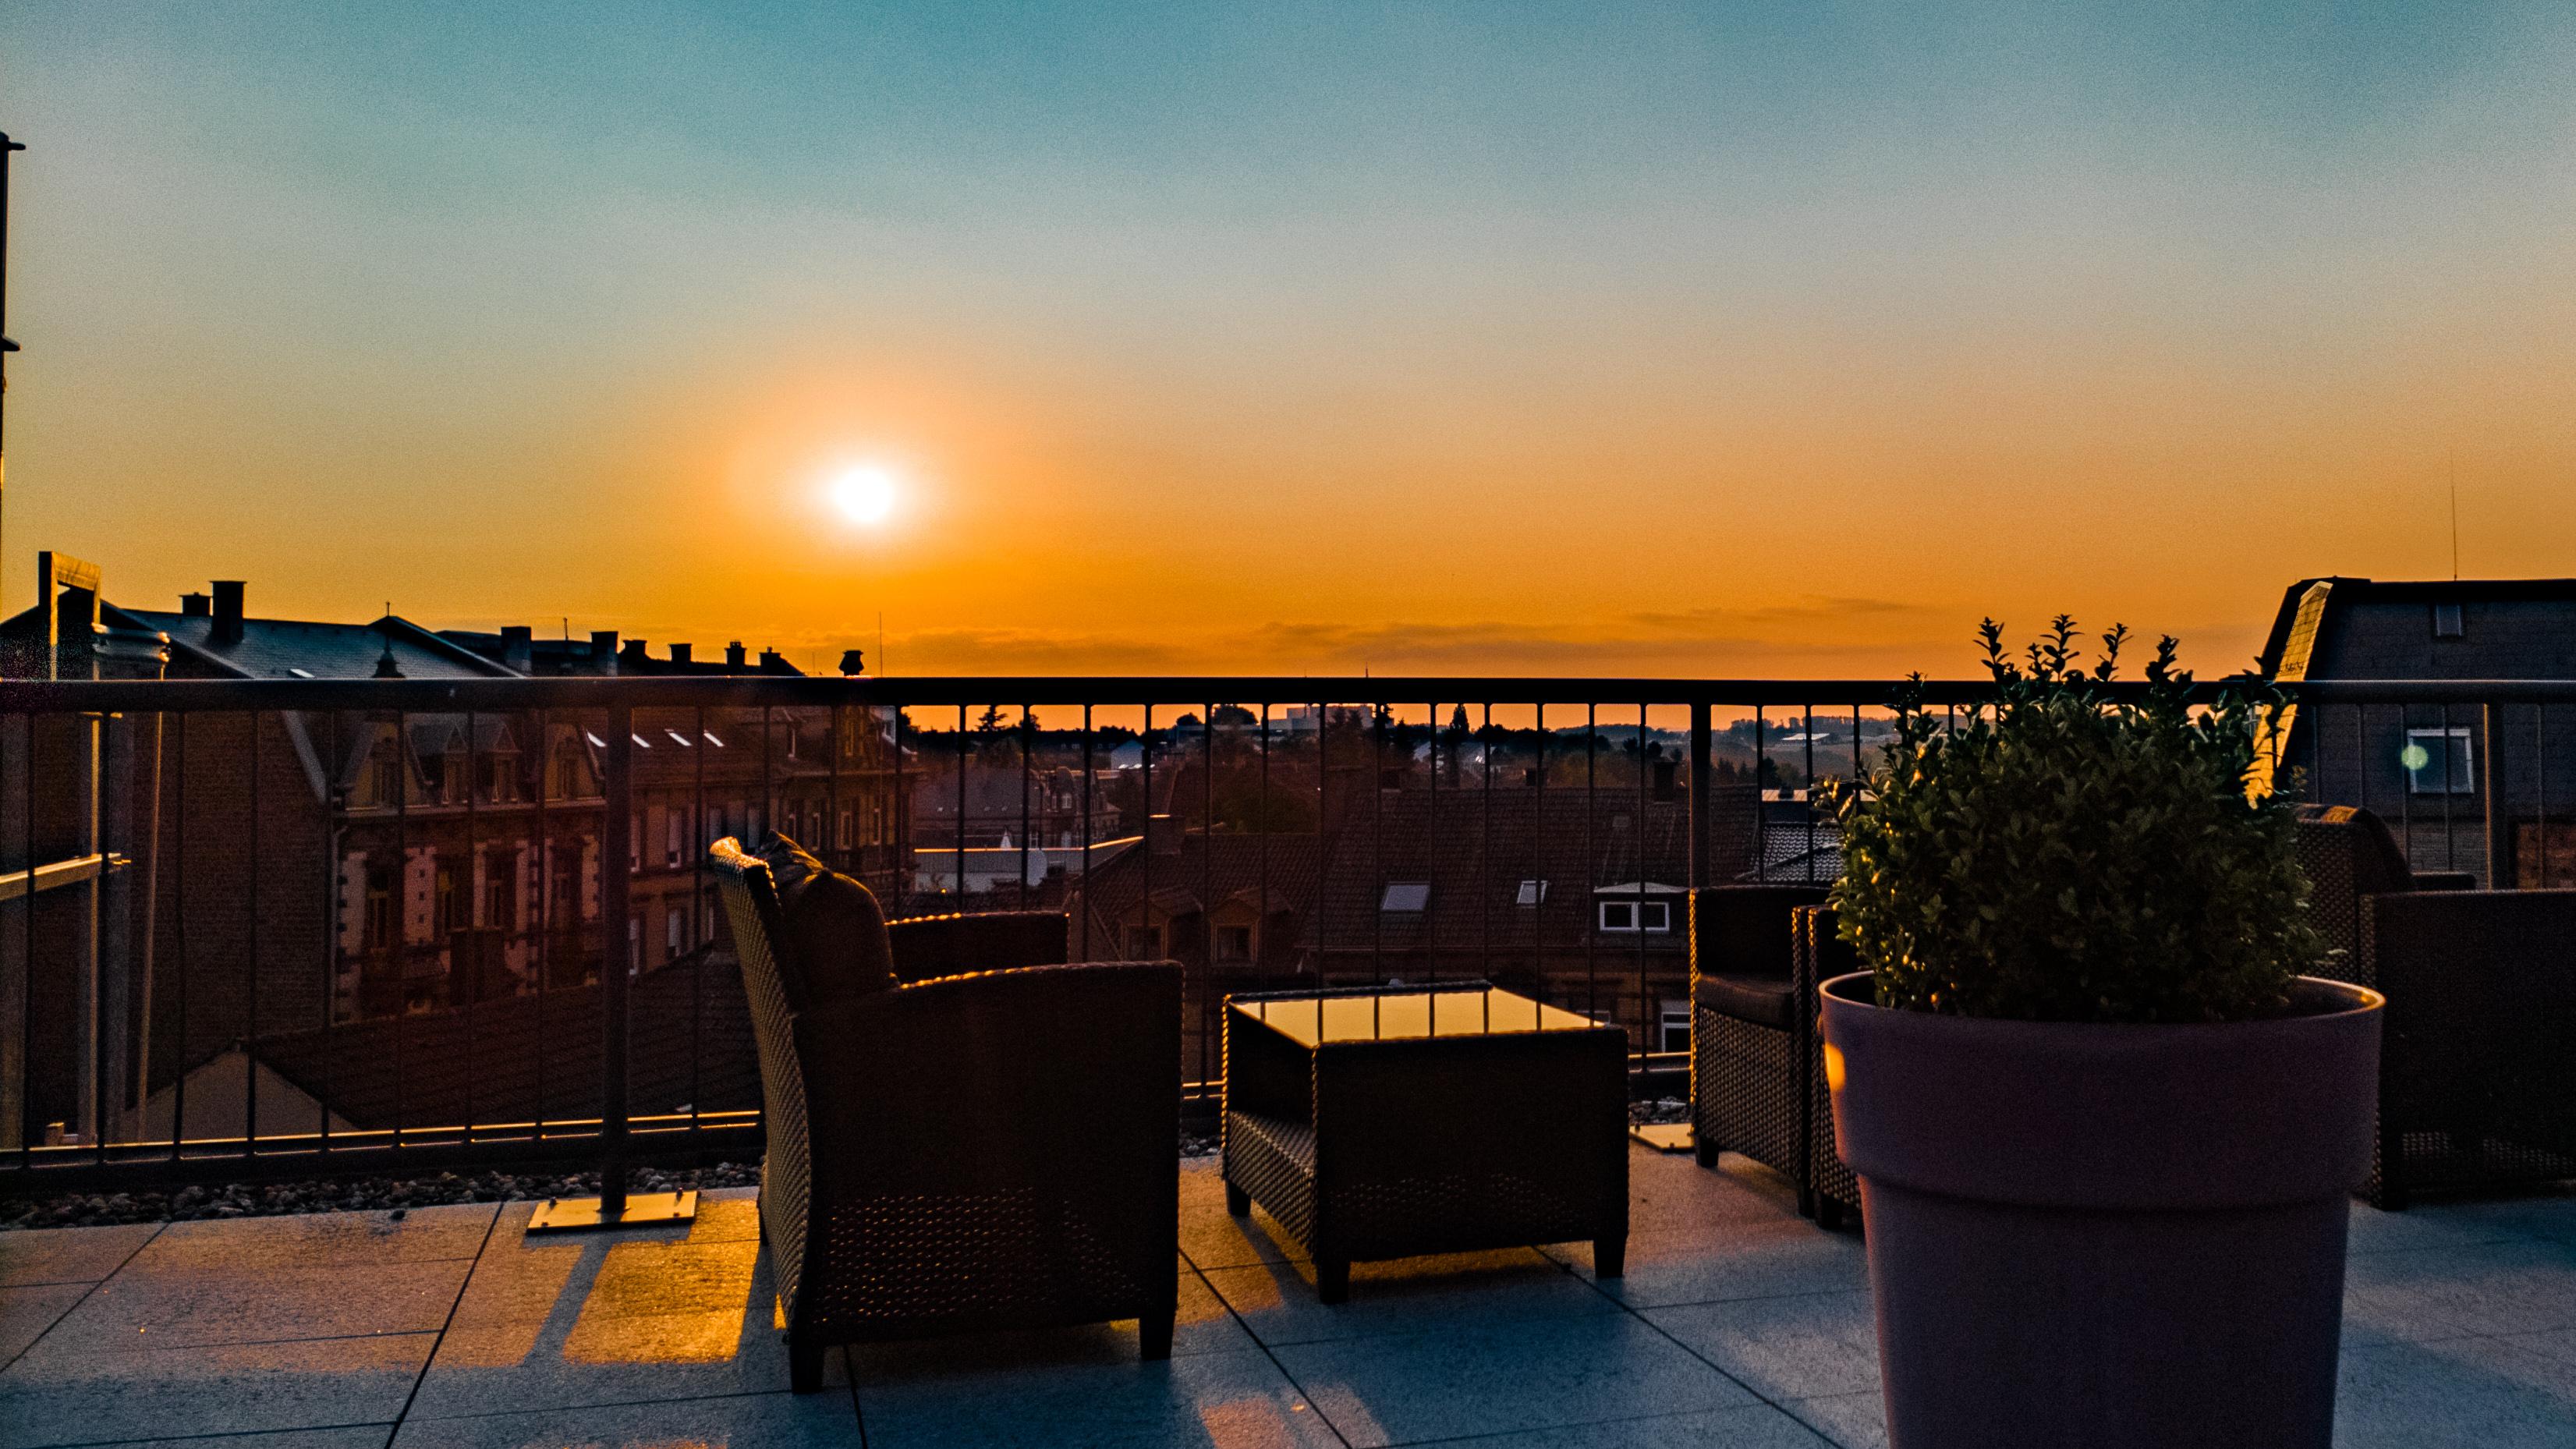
865 496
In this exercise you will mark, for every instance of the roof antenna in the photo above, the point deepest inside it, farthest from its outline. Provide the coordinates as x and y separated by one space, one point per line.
2455 515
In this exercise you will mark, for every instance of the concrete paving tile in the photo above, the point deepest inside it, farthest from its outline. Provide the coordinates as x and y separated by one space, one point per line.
2525 1286
1408 1295
2546 1213
1758 1260
138 1312
959 1394
1751 1426
68 1255
2558 1344
2438 1226
315 1240
1852 1421
1670 1193
2470 1393
822 1420
1783 1348
25 1313
1495 1378
226 1389
355 1436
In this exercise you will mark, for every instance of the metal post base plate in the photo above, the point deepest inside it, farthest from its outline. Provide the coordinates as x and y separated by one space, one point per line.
1664 1136
643 1209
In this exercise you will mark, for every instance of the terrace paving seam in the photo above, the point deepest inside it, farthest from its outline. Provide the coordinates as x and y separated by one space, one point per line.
432 1357
74 1306
1266 1352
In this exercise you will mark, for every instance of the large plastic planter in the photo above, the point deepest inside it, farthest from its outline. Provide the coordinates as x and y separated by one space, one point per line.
2106 1235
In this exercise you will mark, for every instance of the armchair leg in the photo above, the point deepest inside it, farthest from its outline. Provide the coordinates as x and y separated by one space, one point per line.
1154 1335
1829 1213
1704 1149
1609 1256
1332 1279
1238 1203
1806 1202
804 1366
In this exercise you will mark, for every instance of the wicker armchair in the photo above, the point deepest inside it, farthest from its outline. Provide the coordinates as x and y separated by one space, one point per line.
987 1150
2477 1087
1750 1029
1816 956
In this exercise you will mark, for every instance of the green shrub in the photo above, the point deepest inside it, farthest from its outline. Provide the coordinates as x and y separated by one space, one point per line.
2067 856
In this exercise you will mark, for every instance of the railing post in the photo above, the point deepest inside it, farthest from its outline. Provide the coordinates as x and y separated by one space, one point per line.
1700 785
617 959
2492 783
617 846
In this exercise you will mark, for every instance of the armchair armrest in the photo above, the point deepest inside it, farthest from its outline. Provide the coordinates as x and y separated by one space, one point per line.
928 947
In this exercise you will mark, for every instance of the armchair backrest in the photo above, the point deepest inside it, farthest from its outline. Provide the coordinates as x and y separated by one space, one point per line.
751 906
2347 853
1744 930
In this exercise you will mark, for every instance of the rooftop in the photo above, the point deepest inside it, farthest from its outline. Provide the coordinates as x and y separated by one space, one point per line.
1737 1323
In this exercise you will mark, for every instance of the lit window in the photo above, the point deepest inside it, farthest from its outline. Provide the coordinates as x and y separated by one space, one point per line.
2432 769
1531 893
1624 916
1405 895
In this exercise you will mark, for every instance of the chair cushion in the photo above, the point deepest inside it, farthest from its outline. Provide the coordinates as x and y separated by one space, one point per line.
1761 1000
835 937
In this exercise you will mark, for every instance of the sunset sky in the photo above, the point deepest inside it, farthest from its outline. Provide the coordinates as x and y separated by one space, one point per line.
1758 339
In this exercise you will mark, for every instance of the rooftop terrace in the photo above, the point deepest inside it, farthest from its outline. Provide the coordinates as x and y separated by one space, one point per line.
1737 1323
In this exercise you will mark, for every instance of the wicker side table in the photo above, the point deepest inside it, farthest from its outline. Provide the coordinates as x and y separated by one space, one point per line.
1390 1122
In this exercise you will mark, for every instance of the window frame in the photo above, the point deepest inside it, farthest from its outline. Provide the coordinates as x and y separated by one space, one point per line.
2427 780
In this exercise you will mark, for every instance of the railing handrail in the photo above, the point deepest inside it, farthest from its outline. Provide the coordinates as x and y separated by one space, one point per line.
592 691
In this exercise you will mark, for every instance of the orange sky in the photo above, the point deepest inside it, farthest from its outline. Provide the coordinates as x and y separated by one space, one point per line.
1412 346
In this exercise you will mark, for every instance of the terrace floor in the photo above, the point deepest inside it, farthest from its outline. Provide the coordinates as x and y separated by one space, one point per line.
1737 1324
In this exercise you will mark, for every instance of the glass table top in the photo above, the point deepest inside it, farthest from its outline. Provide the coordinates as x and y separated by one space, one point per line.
1398 1014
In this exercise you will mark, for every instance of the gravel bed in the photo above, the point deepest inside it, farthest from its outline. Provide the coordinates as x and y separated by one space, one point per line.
1661 1109
370 1194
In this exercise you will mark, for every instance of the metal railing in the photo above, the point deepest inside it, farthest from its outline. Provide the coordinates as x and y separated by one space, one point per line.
298 926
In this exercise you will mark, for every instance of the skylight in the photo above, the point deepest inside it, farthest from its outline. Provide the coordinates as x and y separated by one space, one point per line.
1531 893
299 673
711 738
1405 895
678 738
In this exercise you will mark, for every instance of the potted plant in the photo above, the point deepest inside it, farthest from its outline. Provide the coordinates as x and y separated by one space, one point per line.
2103 1125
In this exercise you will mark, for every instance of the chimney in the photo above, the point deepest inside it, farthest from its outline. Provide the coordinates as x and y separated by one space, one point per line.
680 652
853 662
1162 835
633 653
196 606
518 647
603 651
228 611
773 662
736 656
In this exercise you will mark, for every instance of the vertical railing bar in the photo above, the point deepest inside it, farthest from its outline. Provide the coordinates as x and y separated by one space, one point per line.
1430 854
1377 854
2360 752
179 912
768 787
899 824
844 842
334 800
1591 861
2540 779
1810 793
1539 863
2450 838
1028 768
1485 849
473 909
1649 1015
544 956
1145 830
1261 849
1207 887
963 745
1087 772
621 949
250 1078
2406 785
700 935
1761 806
401 912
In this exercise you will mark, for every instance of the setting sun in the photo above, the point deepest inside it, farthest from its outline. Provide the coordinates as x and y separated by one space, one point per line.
865 496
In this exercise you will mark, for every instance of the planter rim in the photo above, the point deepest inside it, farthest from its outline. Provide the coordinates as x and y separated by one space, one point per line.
2107 1115
2359 999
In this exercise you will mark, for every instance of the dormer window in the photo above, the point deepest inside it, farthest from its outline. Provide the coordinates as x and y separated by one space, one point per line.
2446 621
